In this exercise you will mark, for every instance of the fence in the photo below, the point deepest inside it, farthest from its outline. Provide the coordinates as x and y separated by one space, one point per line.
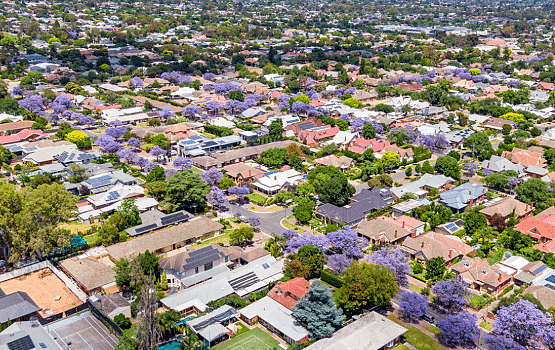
104 319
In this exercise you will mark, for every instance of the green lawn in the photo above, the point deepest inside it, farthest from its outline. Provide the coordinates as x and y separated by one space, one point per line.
90 239
417 338
76 227
224 238
256 197
242 329
400 347
432 328
255 339
486 325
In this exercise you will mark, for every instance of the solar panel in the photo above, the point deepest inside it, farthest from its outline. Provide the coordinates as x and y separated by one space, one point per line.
306 126
23 343
451 227
551 279
174 218
206 256
539 269
146 228
244 281
265 266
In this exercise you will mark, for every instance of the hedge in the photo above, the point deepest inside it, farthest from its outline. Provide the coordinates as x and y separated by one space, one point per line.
327 276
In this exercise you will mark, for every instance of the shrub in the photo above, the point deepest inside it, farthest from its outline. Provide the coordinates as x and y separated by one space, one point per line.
327 276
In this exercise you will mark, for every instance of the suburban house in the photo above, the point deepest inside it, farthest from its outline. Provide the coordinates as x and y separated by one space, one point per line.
16 307
103 182
243 256
48 155
167 239
212 326
276 180
404 153
23 135
77 157
199 145
498 123
296 128
498 164
27 335
15 127
243 280
92 271
526 157
343 139
112 304
341 162
481 276
506 207
432 244
289 293
465 195
541 229
383 230
407 207
360 145
114 195
370 332
312 137
188 268
276 317
351 214
153 220
421 186
243 173
536 172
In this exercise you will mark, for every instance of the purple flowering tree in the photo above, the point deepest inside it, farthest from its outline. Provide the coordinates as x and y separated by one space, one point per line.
115 123
239 191
72 34
394 259
141 162
136 83
499 342
149 166
347 241
213 106
459 329
297 241
451 293
134 142
157 151
522 321
413 305
182 163
232 105
127 155
339 263
217 198
191 111
254 222
299 107
434 143
225 88
486 172
176 77
61 104
16 91
108 144
32 103
166 113
212 176
470 168
512 182
208 76
169 172
116 133
85 120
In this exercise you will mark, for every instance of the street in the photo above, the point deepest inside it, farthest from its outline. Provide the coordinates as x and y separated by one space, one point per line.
269 222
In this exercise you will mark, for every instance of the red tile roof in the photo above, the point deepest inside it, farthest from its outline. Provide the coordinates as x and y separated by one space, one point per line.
290 292
543 227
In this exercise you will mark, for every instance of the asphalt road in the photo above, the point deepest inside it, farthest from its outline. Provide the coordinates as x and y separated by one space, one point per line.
439 316
269 222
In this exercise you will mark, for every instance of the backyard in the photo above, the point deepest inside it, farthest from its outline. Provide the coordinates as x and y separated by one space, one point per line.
255 339
417 338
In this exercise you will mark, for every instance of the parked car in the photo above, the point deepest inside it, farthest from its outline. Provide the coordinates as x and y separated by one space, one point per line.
428 318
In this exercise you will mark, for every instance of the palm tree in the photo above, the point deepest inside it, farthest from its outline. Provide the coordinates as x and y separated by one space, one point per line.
189 341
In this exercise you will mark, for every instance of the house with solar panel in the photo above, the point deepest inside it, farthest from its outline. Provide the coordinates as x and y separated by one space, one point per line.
189 268
212 326
27 335
103 182
115 194
152 220
77 157
200 145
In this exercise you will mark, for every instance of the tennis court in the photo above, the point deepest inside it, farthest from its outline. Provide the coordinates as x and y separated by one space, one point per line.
255 339
83 332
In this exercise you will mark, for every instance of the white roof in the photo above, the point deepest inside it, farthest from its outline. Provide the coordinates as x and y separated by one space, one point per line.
123 192
219 121
277 315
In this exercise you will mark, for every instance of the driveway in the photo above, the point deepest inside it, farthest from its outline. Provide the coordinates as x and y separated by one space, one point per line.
269 222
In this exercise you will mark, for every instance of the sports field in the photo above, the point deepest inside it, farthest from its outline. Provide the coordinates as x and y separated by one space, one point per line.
255 339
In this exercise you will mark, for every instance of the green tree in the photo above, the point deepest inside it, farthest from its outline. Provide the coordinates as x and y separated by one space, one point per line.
336 191
480 145
475 221
122 321
303 210
274 157
390 161
368 131
77 173
124 272
164 280
295 268
79 138
156 189
534 191
317 310
190 340
515 240
296 163
435 269
311 257
130 213
448 166
236 95
366 285
29 219
157 174
241 235
408 172
186 190
276 129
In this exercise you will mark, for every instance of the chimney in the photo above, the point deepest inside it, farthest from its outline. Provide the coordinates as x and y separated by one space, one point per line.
275 177
471 203
404 224
422 246
500 278
483 191
412 234
395 233
249 173
450 253
488 164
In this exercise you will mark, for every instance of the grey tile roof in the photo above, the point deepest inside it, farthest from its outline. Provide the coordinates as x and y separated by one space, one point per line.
460 197
16 305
